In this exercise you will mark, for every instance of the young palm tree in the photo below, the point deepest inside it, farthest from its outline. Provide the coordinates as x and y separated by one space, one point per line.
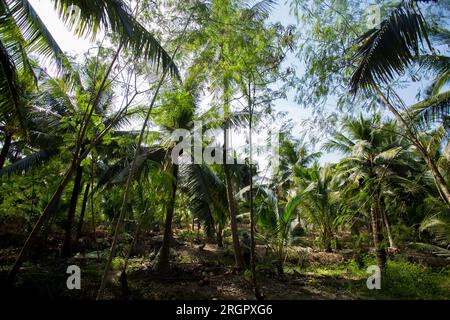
320 201
275 219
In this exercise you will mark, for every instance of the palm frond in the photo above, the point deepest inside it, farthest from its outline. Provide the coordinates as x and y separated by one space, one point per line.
260 9
433 109
386 51
10 91
29 162
387 155
439 225
203 186
115 16
38 38
150 156
440 65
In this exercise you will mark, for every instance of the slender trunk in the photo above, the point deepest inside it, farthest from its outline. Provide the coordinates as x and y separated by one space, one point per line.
77 158
49 209
231 206
83 212
67 246
380 253
5 149
163 263
94 225
123 275
441 184
210 232
385 221
219 236
258 295
327 241
388 230
280 262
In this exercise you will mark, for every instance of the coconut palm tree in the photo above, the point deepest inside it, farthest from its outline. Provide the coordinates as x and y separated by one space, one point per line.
375 153
294 154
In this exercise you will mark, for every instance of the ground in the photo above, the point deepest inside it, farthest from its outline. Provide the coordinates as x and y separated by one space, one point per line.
204 271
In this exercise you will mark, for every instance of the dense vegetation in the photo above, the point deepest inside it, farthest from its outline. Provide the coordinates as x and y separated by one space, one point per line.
95 173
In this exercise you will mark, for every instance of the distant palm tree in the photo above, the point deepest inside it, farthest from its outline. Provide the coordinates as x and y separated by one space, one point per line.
293 153
319 200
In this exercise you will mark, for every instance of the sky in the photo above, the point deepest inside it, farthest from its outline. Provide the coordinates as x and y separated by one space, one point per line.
74 46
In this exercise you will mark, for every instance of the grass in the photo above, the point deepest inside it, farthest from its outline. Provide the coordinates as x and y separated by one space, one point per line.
404 280
400 279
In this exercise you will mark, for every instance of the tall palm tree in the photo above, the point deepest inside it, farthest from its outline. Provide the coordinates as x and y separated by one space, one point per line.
178 113
223 23
385 52
294 154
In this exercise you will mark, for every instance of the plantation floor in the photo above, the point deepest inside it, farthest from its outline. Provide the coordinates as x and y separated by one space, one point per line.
204 272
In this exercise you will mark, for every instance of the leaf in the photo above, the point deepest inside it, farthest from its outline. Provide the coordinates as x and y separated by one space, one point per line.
385 52
115 16
10 91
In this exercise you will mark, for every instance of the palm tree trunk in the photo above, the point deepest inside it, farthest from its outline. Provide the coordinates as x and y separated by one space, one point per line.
83 211
280 262
5 149
380 253
388 230
441 184
210 232
163 263
49 209
67 246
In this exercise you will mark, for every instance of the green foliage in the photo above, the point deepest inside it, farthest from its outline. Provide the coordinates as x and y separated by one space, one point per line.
404 280
189 235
